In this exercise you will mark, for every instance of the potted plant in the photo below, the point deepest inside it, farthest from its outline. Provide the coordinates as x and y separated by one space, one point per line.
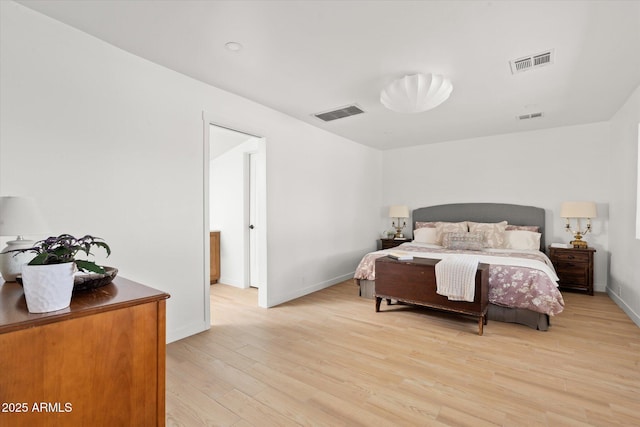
48 278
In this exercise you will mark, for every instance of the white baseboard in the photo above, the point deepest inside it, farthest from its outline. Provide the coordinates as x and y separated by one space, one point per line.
230 281
186 331
310 289
623 305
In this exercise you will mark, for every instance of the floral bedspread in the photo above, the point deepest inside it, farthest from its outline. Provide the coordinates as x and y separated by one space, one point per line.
510 285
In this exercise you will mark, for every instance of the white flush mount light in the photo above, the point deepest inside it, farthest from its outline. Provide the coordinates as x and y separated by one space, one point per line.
416 93
233 47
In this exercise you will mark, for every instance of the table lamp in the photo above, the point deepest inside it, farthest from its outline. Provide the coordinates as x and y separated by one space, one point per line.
578 210
399 212
19 216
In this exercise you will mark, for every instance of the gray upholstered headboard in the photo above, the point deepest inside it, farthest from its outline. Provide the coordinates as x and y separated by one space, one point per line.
484 212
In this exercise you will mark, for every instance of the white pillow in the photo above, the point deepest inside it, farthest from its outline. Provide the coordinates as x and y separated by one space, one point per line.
425 235
520 239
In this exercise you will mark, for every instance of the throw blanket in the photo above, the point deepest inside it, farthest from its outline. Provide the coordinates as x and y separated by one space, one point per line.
456 278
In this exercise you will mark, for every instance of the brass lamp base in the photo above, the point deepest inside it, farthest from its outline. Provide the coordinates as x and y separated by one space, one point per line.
578 243
399 228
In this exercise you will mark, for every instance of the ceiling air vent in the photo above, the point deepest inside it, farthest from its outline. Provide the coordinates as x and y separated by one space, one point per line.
529 116
349 110
532 61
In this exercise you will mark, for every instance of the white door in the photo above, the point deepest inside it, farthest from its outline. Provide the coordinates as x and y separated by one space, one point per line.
253 232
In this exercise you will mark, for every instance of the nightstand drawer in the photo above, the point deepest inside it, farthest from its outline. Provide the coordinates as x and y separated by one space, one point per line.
573 275
570 256
392 243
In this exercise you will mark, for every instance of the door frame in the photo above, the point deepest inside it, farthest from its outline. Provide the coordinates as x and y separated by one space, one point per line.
208 119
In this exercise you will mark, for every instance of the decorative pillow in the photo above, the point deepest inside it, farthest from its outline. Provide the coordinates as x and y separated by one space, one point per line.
425 235
493 232
446 227
522 239
533 228
425 224
463 240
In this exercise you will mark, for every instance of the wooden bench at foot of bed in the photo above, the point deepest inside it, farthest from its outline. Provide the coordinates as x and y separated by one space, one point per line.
414 282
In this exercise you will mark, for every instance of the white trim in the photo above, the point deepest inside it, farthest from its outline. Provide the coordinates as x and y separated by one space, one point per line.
313 288
215 120
187 330
638 186
623 305
261 222
206 279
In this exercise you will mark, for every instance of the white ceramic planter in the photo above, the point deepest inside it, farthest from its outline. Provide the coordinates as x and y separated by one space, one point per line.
48 287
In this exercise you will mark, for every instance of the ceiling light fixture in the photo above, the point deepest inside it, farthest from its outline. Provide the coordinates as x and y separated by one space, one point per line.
233 47
416 93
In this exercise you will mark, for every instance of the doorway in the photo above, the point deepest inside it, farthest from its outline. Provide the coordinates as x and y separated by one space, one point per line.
235 203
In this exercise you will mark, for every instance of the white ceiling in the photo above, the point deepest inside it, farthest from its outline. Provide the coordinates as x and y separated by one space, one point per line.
304 57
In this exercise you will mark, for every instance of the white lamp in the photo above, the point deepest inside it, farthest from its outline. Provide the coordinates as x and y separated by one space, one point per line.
416 93
399 212
578 210
19 216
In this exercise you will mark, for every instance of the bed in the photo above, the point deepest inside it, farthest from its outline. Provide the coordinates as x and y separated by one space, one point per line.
522 282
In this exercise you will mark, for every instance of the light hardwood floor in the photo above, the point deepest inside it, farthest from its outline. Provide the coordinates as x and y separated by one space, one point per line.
328 359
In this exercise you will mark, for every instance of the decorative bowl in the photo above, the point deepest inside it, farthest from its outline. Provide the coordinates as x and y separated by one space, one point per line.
87 281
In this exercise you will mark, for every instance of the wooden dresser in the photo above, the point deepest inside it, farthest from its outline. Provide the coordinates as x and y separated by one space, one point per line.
214 248
99 362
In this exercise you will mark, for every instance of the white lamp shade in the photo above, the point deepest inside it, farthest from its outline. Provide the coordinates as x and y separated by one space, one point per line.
578 210
399 211
416 93
20 216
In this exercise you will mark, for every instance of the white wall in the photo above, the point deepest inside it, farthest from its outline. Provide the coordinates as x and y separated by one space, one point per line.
538 168
227 211
112 144
624 277
322 191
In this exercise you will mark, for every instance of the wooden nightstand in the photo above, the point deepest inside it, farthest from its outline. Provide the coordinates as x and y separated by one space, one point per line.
574 267
392 243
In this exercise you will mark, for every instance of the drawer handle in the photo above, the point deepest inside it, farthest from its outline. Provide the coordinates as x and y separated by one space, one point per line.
570 257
